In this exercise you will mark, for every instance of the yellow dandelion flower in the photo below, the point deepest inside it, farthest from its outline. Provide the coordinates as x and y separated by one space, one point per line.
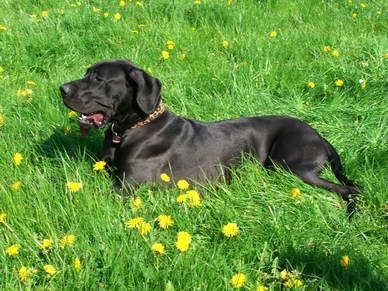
273 34
144 228
17 159
46 243
66 130
354 15
194 200
165 55
49 269
225 43
98 166
164 177
2 69
24 92
106 14
135 222
3 216
362 84
74 186
44 13
16 185
96 10
77 264
181 198
183 246
184 237
345 261
170 44
137 203
288 283
141 25
192 194
31 83
335 53
149 70
261 288
34 16
197 2
72 114
326 48
295 192
2 119
283 274
238 280
134 31
385 56
68 239
182 184
23 273
298 283
122 3
339 83
311 84
12 250
117 16
158 248
138 3
2 27
165 221
379 12
230 229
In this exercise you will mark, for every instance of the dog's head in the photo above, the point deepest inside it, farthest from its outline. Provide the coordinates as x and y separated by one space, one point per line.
112 91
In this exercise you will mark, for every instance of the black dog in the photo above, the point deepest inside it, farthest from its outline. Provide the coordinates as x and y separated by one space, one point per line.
146 140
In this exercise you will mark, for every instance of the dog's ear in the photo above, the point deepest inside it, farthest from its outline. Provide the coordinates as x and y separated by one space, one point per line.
148 90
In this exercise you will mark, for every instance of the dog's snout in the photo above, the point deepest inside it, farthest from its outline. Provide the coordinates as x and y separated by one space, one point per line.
65 89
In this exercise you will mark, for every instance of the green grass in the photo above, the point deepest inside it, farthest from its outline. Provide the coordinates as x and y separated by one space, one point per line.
254 75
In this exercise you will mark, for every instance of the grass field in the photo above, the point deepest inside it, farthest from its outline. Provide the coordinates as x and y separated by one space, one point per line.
322 61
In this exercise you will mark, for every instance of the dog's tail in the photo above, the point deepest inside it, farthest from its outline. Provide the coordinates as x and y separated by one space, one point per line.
336 166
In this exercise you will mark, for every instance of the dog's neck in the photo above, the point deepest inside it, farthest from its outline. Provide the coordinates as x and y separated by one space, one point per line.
158 111
118 132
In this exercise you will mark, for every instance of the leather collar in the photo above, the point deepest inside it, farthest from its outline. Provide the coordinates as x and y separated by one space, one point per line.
158 111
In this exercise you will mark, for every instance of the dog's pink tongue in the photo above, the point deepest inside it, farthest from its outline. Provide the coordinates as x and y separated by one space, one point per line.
84 130
98 118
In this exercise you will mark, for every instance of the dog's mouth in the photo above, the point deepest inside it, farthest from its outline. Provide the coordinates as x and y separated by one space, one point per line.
92 120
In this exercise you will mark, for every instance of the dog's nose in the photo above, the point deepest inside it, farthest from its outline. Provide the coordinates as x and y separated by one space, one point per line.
65 89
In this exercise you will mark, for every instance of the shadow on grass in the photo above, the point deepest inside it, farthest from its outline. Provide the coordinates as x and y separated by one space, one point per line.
313 262
72 145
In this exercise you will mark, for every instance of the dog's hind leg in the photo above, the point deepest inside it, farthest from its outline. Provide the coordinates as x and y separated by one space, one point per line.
346 192
313 178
